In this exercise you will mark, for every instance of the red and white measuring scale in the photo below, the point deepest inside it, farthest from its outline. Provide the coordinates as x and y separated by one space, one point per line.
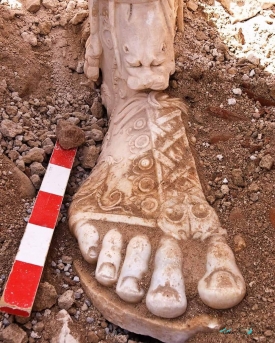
22 284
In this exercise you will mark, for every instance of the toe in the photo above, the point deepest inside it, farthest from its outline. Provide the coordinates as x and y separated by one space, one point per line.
166 295
134 267
109 258
88 241
222 286
221 289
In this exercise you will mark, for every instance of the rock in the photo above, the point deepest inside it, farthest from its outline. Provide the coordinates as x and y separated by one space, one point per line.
251 57
96 109
10 129
243 10
37 168
253 187
266 162
225 189
268 333
14 334
45 27
67 259
33 5
45 298
29 37
69 135
92 337
90 156
36 181
237 176
64 333
79 17
80 67
50 4
48 146
97 135
34 155
11 110
66 300
26 188
201 36
192 5
3 86
239 243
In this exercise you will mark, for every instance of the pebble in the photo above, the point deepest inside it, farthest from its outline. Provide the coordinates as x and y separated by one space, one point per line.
10 129
231 101
237 91
79 17
66 300
29 37
46 297
267 162
239 243
32 5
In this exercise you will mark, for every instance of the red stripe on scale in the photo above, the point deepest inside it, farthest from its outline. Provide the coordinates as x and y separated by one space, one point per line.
21 287
63 158
20 290
46 209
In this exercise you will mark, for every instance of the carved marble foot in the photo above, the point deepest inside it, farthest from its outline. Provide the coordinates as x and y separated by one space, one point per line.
142 213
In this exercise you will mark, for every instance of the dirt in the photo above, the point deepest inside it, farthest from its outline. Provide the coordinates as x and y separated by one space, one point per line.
231 123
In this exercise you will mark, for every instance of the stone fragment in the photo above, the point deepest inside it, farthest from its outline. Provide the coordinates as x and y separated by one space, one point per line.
48 146
14 334
29 37
36 181
66 300
90 156
243 10
225 189
64 332
67 259
253 187
69 135
26 188
239 243
45 298
96 109
11 110
34 155
201 36
50 4
192 5
3 86
10 129
79 17
237 177
254 59
45 27
80 67
97 135
37 168
33 5
92 337
266 162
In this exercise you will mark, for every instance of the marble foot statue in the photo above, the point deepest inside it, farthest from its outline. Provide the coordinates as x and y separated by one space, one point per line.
140 215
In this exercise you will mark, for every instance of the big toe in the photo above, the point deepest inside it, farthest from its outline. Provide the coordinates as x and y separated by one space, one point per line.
221 289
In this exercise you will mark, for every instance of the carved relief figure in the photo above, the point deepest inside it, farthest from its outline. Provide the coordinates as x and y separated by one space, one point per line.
143 202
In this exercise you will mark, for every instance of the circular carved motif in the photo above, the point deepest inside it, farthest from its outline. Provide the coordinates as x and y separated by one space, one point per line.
142 141
149 205
139 124
146 184
146 163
